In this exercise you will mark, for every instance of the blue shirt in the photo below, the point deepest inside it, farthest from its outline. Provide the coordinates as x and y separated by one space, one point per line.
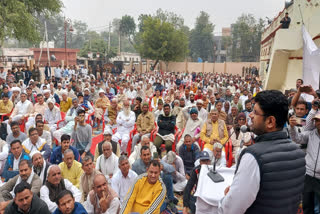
56 156
57 72
78 209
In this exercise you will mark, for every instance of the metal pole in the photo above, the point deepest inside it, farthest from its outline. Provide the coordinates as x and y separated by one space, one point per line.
46 32
65 41
109 41
44 36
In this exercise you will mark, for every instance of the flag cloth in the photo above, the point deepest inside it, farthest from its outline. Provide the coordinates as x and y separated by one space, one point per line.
311 60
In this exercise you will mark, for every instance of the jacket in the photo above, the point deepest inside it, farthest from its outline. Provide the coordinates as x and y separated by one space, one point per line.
37 206
282 170
145 122
8 187
9 164
166 124
56 156
78 209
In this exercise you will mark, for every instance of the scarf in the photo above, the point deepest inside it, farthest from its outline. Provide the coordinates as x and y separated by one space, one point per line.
29 180
55 190
40 172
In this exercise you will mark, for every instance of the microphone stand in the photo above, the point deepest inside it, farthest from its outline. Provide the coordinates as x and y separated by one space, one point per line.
214 175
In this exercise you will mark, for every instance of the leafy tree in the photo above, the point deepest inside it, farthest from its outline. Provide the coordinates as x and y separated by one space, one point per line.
159 40
18 18
95 45
201 38
128 27
170 17
141 20
246 36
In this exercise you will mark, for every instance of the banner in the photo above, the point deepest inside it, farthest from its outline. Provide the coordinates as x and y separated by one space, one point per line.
311 60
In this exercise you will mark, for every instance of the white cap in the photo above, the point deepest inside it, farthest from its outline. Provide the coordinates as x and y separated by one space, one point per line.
46 91
50 101
107 131
34 152
16 89
64 92
199 101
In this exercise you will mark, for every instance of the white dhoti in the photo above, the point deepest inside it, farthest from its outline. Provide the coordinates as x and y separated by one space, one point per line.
124 137
180 185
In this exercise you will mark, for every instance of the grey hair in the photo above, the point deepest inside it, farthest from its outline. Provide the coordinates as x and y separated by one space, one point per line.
217 145
107 144
50 167
87 158
143 137
122 158
68 151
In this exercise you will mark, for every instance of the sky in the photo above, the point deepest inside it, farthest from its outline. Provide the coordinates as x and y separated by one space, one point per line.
98 13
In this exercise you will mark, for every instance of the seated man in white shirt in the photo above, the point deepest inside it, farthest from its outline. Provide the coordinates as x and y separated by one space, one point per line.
135 155
107 163
216 155
102 199
125 123
179 176
36 143
54 185
124 178
23 108
52 115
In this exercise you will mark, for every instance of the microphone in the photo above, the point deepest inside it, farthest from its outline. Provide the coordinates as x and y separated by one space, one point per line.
244 129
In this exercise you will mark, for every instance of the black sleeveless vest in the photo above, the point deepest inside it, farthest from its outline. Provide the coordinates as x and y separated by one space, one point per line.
282 169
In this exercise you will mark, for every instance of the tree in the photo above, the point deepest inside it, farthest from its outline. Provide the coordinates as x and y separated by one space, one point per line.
128 27
159 40
19 18
201 38
246 36
95 44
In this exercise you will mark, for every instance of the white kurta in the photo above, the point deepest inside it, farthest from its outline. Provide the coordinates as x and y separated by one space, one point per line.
124 125
107 166
44 195
121 184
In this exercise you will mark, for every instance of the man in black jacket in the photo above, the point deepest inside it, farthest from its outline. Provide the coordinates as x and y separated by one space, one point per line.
26 202
270 174
166 123
188 199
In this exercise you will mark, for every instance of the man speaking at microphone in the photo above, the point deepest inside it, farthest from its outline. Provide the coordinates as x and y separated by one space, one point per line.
269 175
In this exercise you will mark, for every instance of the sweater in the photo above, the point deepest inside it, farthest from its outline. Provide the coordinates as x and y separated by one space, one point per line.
144 197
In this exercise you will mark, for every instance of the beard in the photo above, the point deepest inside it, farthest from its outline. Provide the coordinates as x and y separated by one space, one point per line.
37 169
126 111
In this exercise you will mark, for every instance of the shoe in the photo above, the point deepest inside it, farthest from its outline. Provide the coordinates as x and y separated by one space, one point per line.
172 207
175 201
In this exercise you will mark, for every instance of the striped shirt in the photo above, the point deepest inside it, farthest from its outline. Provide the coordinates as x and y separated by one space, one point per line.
144 197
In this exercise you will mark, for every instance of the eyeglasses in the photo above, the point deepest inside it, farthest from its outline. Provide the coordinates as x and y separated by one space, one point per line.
255 113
